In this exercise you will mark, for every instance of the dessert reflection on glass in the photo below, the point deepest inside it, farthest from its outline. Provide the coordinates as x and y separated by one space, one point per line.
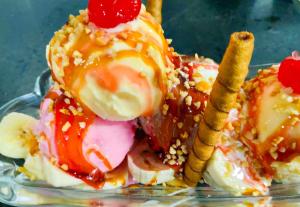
126 109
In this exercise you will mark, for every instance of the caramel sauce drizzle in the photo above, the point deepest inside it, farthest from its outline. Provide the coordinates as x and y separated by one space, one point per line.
99 41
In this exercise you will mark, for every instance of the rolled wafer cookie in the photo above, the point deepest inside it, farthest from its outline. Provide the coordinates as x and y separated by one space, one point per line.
232 73
154 7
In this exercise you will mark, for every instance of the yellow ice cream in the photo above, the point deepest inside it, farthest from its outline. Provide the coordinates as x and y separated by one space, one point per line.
118 73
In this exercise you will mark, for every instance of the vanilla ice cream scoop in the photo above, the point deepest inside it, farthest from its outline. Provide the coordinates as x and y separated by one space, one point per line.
118 73
270 120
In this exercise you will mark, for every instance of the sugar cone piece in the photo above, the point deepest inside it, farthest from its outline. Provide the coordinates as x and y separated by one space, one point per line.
154 7
232 73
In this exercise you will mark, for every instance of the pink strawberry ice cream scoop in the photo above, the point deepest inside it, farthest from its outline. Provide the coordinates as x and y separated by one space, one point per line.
97 144
112 139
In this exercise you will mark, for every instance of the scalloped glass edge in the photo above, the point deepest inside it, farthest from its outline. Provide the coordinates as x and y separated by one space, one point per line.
16 190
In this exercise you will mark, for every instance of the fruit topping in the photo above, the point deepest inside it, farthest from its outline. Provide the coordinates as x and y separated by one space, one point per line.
110 13
289 73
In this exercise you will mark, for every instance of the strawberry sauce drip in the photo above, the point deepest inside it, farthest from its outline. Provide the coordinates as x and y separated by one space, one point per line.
71 124
165 129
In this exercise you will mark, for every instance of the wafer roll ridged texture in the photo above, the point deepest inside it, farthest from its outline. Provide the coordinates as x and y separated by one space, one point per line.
234 66
214 118
201 150
195 163
224 102
232 73
154 7
193 177
211 136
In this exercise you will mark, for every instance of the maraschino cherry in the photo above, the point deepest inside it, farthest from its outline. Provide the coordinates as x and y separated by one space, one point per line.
110 13
289 72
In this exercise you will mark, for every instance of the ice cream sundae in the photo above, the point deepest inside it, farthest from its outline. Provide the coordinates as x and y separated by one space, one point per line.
126 109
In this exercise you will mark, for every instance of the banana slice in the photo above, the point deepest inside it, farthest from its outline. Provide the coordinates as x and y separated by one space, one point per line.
226 171
16 137
146 168
37 167
118 177
34 167
57 177
40 168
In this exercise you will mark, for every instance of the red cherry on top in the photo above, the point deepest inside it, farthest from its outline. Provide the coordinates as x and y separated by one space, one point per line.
289 73
110 13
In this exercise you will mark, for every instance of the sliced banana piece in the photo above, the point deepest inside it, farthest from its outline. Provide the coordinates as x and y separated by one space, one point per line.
146 168
34 167
228 173
57 177
38 167
218 174
118 177
16 136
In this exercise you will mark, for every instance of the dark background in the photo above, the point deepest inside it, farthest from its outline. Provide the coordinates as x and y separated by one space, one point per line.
201 26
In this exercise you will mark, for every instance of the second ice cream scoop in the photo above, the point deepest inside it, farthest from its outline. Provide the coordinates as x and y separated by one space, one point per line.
269 121
78 141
